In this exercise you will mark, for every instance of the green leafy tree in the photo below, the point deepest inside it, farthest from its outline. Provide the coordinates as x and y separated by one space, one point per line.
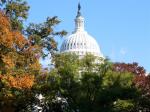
141 82
43 35
17 11
118 86
57 85
87 86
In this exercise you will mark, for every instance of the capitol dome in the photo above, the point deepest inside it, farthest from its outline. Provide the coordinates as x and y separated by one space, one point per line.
80 42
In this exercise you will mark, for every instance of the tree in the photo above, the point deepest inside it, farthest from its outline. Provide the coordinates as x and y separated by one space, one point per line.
132 68
57 85
119 92
18 65
143 84
17 11
87 86
19 55
43 35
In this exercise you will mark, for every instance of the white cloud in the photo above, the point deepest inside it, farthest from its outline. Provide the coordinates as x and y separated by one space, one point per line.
123 51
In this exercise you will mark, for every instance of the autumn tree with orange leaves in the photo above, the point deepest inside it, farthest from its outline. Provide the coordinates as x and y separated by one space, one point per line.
20 51
18 62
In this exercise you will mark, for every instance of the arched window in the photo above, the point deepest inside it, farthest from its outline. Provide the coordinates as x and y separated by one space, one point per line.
71 46
77 45
68 46
74 46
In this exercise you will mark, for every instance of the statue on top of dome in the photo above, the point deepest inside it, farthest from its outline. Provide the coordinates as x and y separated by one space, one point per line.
79 8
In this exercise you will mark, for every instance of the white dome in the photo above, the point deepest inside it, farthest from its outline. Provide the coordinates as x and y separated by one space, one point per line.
80 42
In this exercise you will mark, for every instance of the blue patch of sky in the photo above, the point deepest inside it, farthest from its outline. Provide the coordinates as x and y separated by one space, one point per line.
121 27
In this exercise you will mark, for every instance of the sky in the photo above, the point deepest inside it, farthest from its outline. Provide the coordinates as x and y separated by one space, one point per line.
121 27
